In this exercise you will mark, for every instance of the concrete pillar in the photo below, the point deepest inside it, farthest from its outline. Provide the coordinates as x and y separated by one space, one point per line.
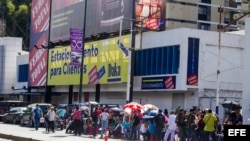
246 74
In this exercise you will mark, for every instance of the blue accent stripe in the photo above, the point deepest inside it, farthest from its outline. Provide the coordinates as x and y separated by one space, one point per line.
114 79
101 72
122 47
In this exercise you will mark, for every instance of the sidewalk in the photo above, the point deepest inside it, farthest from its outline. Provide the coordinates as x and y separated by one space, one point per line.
19 133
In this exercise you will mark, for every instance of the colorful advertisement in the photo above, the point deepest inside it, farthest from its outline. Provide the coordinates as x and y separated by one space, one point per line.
105 61
76 36
162 82
40 13
65 14
193 61
150 14
105 15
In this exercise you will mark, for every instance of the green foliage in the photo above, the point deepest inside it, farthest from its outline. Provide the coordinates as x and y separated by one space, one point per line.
17 17
10 8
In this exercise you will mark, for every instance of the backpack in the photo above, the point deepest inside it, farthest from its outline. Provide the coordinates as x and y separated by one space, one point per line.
179 121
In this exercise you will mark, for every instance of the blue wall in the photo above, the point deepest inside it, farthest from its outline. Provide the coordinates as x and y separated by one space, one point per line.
157 61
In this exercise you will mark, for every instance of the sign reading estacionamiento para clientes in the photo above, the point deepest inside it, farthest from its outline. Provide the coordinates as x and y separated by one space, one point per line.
105 61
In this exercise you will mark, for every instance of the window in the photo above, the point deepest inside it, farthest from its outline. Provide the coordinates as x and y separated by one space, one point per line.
206 1
23 73
203 26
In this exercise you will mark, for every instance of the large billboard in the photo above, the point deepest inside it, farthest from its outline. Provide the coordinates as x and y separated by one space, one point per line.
40 13
105 61
65 14
150 14
101 16
105 15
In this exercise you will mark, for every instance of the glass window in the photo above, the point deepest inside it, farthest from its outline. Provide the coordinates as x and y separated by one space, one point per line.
157 61
23 73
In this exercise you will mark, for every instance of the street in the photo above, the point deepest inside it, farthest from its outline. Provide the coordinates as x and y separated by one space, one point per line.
10 132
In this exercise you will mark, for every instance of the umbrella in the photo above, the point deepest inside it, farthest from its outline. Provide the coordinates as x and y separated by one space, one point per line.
116 109
150 107
231 105
84 107
132 106
147 117
128 110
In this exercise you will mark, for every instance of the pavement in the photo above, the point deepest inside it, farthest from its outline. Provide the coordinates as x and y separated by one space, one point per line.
10 132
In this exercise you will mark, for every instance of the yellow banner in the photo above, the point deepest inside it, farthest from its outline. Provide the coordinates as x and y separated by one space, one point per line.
105 61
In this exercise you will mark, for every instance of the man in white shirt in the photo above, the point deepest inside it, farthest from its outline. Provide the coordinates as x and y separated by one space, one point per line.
51 119
171 127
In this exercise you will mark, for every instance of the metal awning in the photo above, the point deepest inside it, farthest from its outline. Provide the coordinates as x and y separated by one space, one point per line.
37 93
30 93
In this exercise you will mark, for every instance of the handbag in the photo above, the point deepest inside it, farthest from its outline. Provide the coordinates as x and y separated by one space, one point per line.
193 126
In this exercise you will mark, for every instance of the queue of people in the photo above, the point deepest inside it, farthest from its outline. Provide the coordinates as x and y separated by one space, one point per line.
194 125
203 125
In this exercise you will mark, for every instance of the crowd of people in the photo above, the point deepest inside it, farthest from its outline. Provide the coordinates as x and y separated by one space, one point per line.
181 125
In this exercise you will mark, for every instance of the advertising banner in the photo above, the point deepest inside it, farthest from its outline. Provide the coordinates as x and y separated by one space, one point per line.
105 61
64 15
162 82
105 15
40 13
150 14
101 16
193 61
76 36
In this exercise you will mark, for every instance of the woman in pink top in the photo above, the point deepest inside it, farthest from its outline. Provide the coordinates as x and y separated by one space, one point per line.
77 121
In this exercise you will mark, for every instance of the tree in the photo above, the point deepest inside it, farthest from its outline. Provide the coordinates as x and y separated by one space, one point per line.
17 16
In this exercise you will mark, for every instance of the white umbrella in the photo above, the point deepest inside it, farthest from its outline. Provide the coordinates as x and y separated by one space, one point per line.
84 107
117 109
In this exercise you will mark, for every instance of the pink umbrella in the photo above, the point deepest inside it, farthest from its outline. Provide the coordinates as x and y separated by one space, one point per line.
132 106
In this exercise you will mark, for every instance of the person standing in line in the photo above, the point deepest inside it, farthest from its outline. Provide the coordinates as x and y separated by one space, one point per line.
171 127
151 129
135 122
94 117
77 121
210 121
166 112
37 114
144 130
181 124
190 122
160 124
140 115
126 126
61 112
46 120
201 125
239 116
104 121
118 129
51 119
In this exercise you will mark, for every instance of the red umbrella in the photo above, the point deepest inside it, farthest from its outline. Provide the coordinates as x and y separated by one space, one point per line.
133 106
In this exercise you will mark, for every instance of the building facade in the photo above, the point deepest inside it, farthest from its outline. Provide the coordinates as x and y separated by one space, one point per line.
205 14
174 68
10 48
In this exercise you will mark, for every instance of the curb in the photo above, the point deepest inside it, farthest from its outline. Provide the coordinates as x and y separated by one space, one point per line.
16 138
